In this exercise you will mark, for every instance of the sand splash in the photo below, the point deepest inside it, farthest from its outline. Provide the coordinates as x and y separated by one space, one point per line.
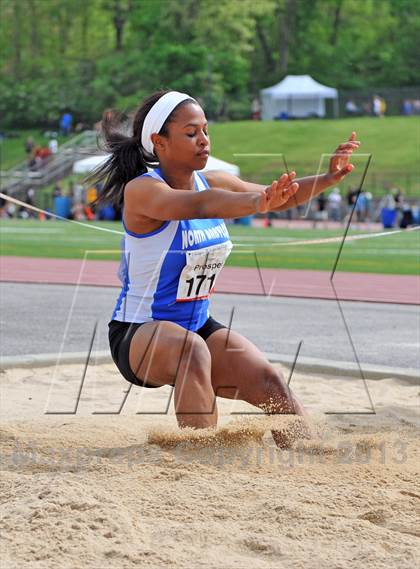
237 432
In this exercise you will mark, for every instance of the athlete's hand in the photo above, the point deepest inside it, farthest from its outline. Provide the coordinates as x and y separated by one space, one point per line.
278 193
339 163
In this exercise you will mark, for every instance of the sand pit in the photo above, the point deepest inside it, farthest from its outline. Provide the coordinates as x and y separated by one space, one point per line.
129 490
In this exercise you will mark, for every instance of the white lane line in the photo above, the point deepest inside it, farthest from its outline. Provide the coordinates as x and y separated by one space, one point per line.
28 230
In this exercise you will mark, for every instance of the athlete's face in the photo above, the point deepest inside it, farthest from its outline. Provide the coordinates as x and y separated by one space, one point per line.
188 142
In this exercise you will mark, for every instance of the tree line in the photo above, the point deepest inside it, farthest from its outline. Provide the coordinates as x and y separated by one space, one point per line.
88 55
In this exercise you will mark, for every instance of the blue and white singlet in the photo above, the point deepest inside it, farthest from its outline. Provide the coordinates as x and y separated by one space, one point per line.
169 273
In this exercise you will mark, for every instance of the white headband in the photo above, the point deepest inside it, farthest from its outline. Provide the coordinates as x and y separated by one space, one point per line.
157 116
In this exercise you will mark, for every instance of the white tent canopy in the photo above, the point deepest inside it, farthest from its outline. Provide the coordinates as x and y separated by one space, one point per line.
297 96
88 164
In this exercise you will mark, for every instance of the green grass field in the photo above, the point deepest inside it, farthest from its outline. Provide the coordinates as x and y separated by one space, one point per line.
392 141
394 254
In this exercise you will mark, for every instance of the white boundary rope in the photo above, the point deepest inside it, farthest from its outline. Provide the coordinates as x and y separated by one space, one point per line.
335 239
285 244
49 214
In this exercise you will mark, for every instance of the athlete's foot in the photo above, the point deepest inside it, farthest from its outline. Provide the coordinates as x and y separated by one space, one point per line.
299 430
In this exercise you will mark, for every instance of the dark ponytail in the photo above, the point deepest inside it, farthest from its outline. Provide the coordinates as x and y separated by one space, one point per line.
121 137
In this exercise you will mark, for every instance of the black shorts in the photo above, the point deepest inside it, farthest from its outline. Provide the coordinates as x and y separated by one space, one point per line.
120 335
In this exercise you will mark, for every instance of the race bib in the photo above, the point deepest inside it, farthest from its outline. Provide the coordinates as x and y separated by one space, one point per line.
197 278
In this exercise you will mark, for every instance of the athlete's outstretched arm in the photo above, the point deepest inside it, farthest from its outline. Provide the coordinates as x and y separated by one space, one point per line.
146 197
309 187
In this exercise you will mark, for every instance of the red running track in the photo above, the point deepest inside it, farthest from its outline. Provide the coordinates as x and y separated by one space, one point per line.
367 287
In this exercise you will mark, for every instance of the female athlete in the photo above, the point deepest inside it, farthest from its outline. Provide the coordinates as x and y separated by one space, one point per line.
175 245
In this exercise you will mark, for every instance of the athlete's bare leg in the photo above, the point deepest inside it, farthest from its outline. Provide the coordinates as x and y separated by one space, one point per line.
164 353
241 371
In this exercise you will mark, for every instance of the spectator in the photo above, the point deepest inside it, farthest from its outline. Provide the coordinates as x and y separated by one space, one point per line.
267 219
77 212
53 146
290 213
407 107
66 123
38 151
415 211
369 204
321 201
416 106
32 165
3 205
398 197
80 127
321 214
300 209
388 210
256 109
30 194
399 201
89 213
334 204
22 212
78 193
376 106
388 201
91 195
361 207
351 198
407 217
44 155
70 191
383 107
7 209
351 108
29 146
35 160
11 210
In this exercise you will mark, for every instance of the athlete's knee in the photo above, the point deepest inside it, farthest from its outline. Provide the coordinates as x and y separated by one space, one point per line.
274 383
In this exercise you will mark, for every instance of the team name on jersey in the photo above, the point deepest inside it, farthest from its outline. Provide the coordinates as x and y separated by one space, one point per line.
192 237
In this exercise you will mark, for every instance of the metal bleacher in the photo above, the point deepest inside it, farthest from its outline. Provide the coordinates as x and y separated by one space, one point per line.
20 178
